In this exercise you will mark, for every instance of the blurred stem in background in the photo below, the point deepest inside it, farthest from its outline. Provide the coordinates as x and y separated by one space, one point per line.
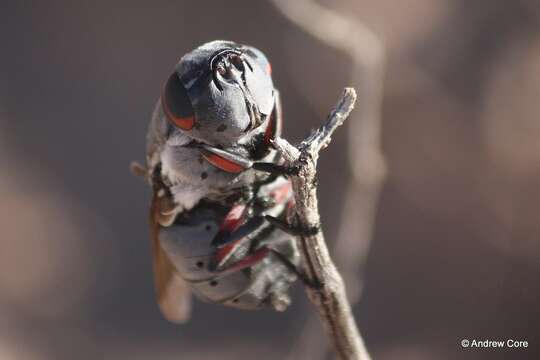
366 160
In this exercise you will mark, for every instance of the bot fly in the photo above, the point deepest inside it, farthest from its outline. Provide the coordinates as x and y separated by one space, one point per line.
209 139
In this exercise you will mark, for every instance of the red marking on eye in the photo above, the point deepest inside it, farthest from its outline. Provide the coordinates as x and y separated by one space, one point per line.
223 164
282 193
233 219
184 123
269 69
176 104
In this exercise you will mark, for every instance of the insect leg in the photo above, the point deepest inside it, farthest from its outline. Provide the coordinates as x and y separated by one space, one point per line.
275 169
234 163
292 229
294 269
234 246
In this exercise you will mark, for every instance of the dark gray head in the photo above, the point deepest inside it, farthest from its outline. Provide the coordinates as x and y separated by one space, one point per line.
219 92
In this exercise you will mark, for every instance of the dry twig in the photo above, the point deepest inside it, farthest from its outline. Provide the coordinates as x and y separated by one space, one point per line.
365 156
366 161
328 293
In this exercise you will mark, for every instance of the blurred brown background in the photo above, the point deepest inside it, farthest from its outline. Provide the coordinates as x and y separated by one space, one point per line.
455 251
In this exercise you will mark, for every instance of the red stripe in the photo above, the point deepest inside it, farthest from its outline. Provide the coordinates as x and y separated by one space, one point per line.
233 219
223 164
269 132
225 250
250 260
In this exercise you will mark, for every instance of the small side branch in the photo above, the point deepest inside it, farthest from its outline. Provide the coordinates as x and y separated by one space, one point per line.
329 296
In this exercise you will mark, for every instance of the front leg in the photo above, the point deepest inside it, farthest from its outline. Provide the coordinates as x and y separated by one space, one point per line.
165 207
293 229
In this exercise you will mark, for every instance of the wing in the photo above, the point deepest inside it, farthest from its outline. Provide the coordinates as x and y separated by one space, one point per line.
172 292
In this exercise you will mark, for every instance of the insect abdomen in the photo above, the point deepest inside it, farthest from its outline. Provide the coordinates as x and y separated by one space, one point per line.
255 277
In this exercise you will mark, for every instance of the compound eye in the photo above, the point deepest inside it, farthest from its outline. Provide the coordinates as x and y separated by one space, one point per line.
176 104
